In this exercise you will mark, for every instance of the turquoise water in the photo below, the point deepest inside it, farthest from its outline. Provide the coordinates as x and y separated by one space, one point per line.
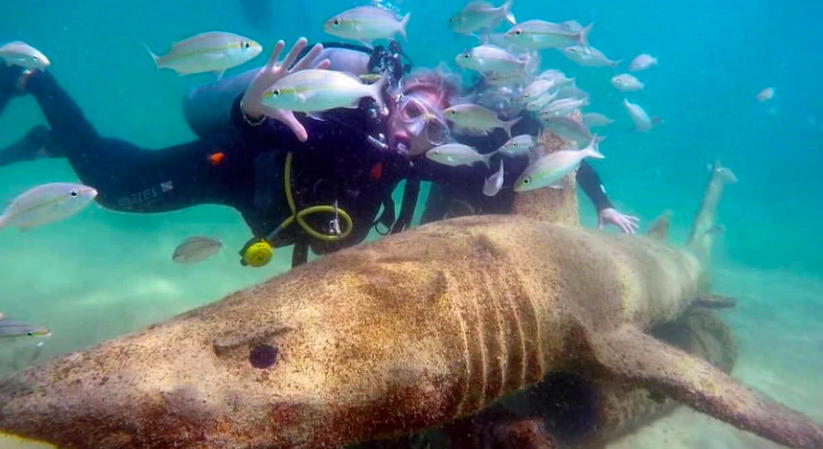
103 273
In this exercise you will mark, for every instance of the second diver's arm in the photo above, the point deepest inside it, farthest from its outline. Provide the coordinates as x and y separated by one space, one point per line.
590 182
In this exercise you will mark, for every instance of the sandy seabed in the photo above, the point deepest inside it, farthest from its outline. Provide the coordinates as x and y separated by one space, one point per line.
102 274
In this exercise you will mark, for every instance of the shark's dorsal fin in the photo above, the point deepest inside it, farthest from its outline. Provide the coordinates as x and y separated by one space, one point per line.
551 205
629 355
659 229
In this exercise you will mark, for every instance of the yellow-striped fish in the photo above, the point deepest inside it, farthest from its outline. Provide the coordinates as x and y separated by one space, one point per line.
46 203
214 52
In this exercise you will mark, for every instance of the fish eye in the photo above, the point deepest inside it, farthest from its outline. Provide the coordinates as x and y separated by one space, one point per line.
466 56
30 333
275 92
336 21
246 45
518 32
527 181
74 193
35 58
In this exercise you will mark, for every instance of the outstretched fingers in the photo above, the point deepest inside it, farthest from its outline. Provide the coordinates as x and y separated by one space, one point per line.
294 53
275 54
307 60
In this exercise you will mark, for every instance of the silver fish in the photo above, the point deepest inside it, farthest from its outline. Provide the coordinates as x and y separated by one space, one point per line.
537 88
548 170
559 78
540 102
572 26
14 329
765 94
641 119
518 145
367 24
213 51
45 204
313 90
627 83
572 91
494 182
480 15
489 58
589 57
539 35
477 118
596 120
505 79
196 249
24 55
567 129
563 106
642 62
457 154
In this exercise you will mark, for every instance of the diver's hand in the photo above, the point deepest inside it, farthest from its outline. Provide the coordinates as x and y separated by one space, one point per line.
626 223
252 104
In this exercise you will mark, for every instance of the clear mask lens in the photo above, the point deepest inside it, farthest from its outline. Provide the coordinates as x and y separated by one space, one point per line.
420 119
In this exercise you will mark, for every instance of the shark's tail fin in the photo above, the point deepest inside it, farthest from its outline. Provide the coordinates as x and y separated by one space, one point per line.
704 227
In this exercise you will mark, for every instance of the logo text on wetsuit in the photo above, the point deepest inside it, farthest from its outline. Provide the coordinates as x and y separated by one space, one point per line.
145 196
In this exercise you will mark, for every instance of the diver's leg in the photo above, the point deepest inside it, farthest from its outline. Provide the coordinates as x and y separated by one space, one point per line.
9 77
70 131
133 179
34 144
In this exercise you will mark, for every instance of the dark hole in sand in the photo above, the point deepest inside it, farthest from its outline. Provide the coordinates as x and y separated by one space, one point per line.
263 356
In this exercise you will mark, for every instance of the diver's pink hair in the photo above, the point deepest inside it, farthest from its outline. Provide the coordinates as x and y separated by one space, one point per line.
444 84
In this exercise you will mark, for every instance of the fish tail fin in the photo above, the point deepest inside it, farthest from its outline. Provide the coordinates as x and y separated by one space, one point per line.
507 126
583 35
593 149
507 12
154 57
614 64
403 24
376 91
656 120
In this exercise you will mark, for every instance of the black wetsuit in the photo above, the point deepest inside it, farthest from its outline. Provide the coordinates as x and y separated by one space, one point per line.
336 164
242 166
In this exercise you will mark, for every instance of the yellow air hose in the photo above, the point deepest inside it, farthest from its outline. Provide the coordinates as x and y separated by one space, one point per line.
260 253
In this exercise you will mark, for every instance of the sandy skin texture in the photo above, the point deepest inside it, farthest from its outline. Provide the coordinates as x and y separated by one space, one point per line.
391 337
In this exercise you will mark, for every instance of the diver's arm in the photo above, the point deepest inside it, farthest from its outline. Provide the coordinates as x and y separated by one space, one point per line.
590 183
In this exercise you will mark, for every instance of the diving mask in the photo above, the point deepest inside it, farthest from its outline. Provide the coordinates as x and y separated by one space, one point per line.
421 119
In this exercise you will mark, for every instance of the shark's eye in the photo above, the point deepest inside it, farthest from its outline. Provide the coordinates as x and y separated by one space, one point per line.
263 356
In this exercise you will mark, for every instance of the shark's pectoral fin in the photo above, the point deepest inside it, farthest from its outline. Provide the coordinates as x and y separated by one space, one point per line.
711 301
633 357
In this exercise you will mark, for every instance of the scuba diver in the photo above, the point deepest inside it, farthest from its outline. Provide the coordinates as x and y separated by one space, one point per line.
314 184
